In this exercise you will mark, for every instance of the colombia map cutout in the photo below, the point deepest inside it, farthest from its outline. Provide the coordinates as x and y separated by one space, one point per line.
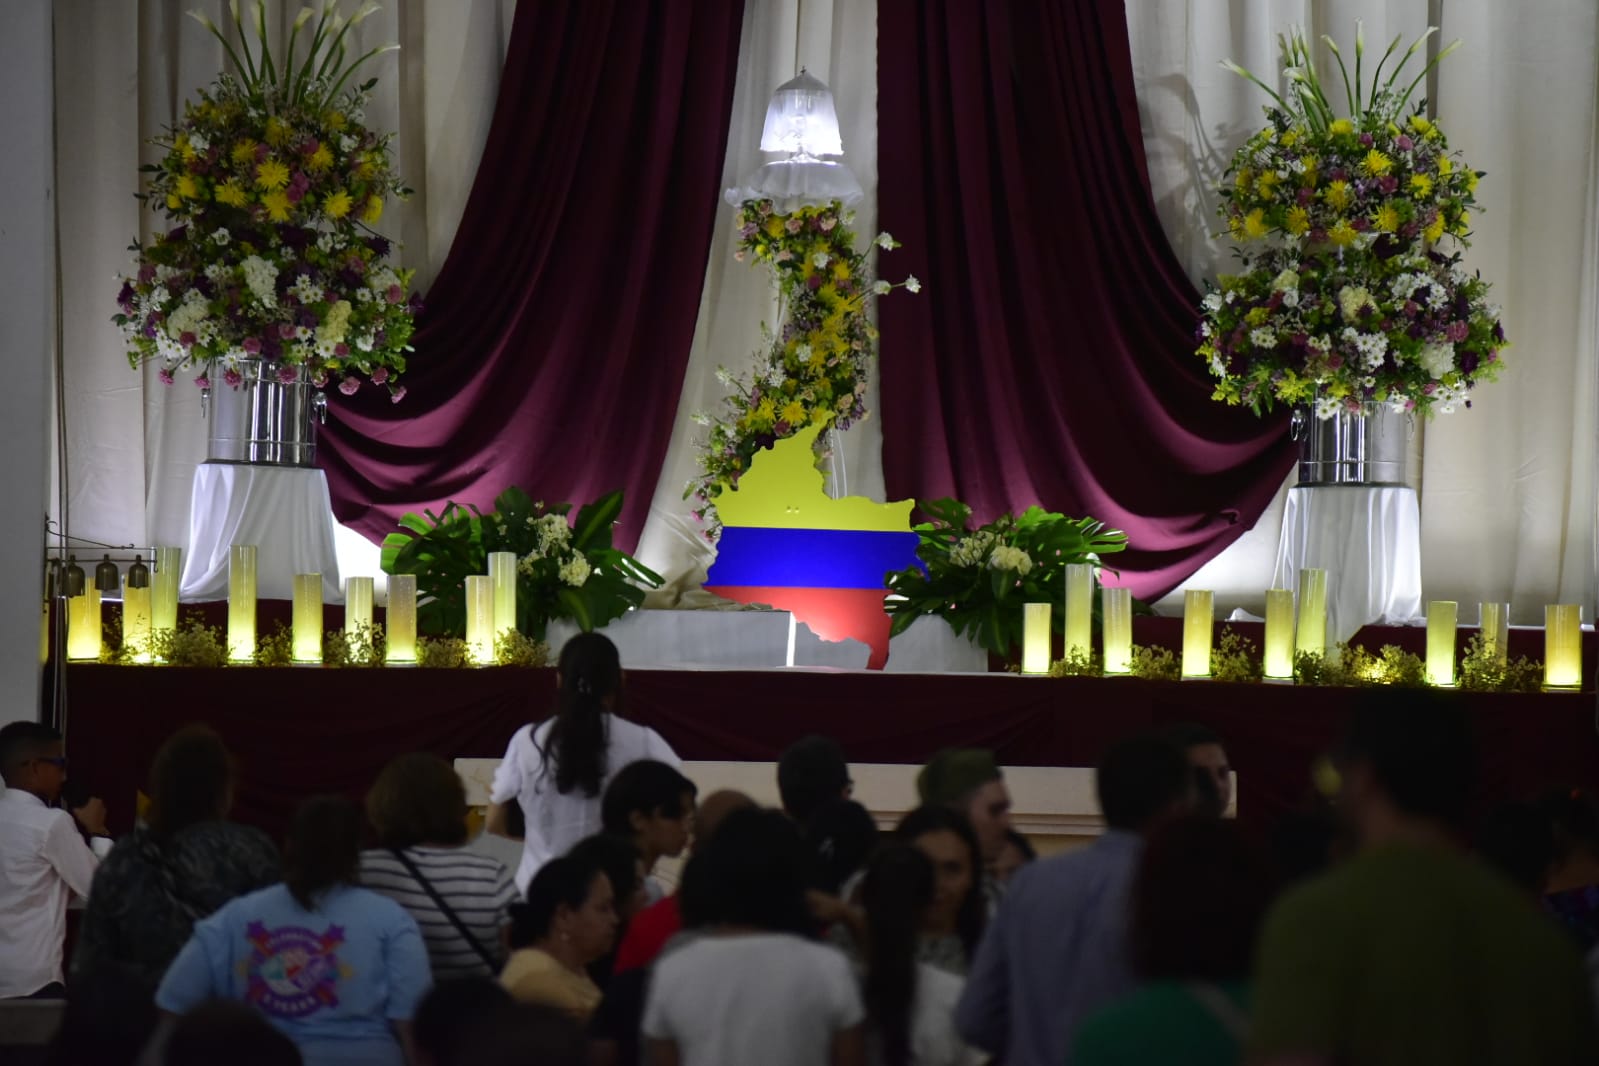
787 544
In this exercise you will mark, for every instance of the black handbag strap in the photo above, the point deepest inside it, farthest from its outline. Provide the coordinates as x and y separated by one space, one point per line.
445 909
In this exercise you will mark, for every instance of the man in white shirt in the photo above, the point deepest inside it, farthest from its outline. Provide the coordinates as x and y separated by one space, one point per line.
43 859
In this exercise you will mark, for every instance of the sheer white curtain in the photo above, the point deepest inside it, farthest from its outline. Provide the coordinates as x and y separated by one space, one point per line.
837 42
123 72
1508 507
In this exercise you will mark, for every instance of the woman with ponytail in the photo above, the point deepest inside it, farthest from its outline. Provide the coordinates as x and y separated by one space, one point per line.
910 1005
556 771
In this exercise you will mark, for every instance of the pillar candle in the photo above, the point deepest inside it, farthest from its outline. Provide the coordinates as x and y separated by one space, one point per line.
1116 609
1562 657
400 630
480 619
1035 638
241 603
1279 662
1442 617
136 631
1493 620
307 618
1312 632
164 577
83 624
502 571
1199 623
357 605
1079 609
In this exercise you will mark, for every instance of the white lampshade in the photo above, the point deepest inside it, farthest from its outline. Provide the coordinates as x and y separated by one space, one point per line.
801 121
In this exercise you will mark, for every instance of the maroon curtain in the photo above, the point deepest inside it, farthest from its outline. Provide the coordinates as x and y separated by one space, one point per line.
551 351
1050 357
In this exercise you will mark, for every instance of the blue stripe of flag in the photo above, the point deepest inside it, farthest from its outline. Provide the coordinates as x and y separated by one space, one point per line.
809 558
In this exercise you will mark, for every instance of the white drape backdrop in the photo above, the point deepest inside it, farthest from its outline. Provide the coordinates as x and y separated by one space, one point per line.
1508 504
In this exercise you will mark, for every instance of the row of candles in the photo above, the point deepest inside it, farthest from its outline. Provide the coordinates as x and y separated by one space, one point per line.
1289 632
151 606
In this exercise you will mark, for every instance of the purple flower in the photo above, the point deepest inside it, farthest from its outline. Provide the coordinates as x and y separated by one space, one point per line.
203 381
813 282
251 345
287 374
1365 140
1457 331
380 375
341 349
187 338
125 296
296 237
286 330
232 378
165 374
147 274
397 394
379 245
1405 143
349 385
1389 185
305 317
395 294
1468 362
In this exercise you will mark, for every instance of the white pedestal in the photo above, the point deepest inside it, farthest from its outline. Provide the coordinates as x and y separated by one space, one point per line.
284 511
1369 542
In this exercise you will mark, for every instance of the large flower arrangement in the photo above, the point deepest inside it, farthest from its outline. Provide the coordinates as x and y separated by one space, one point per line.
271 184
1345 297
566 567
814 370
978 579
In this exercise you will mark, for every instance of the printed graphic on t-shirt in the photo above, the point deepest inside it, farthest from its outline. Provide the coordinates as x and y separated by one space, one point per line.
293 971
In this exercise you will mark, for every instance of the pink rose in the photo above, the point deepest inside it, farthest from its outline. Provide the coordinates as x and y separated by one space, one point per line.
794 225
396 395
349 385
251 345
232 378
380 375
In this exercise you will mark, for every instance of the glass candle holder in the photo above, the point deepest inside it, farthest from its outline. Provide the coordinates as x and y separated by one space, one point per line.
1311 634
136 629
241 603
502 572
1442 618
1493 621
1279 656
1562 657
1035 638
307 635
357 606
480 619
165 573
1079 616
400 627
1116 609
1199 624
84 635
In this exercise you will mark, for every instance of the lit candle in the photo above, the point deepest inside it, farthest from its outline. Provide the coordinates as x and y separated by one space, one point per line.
1079 609
1035 638
480 618
307 637
1312 632
1494 625
241 603
1199 623
400 630
84 635
1442 617
1562 656
1279 663
502 571
357 606
1116 607
164 576
136 622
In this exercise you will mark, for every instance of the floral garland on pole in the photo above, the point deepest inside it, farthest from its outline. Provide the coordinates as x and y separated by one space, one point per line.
1345 298
271 183
814 370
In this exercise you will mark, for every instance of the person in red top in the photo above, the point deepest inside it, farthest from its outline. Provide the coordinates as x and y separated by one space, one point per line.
658 923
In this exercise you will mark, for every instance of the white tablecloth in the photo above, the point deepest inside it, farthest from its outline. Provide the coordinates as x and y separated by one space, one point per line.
284 511
1369 542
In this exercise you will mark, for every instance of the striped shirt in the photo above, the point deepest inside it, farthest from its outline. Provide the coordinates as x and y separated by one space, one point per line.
478 889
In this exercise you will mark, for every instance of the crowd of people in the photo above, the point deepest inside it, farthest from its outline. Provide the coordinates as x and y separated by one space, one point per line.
1385 923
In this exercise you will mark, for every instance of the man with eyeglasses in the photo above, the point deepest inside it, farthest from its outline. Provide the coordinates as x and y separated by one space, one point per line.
43 859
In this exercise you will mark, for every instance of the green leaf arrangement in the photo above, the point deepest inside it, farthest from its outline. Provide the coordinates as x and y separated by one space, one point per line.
978 579
566 567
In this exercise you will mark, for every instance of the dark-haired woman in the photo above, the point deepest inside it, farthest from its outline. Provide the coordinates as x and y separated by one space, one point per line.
186 862
752 986
337 968
953 924
567 923
557 771
910 1006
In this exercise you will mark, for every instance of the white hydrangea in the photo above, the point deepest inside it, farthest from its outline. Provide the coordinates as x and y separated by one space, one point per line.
1008 558
820 260
261 278
525 564
972 550
552 532
575 571
1290 298
1351 298
881 288
1437 358
1288 279
188 316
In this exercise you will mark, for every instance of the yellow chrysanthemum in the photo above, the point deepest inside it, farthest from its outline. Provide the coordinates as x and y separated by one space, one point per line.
244 151
1255 224
335 120
184 149
232 193
1290 138
1462 224
188 188
271 175
373 210
1420 185
277 205
320 159
1337 194
1341 127
774 226
1257 316
1376 164
840 271
1386 219
1235 227
338 204
1446 166
1434 230
1298 221
367 167
1268 182
765 412
174 201
1471 181
1244 179
1423 126
276 132
794 413
1342 234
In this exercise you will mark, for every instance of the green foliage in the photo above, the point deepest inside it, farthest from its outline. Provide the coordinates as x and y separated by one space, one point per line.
514 648
365 647
447 653
277 648
1355 667
1235 658
192 643
563 570
978 579
1155 664
1482 671
1078 665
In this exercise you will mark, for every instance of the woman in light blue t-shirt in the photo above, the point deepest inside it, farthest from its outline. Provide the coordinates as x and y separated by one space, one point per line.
338 969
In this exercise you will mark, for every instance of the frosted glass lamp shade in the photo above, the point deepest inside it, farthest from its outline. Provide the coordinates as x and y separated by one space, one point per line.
801 120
